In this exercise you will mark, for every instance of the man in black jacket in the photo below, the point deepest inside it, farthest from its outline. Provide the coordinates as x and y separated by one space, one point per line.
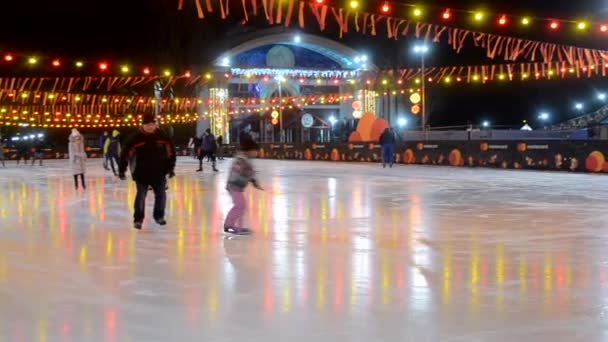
151 157
387 140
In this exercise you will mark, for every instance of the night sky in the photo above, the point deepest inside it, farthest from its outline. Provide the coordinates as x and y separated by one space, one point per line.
153 32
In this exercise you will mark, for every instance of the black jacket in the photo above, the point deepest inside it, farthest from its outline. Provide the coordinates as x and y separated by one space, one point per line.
150 156
387 137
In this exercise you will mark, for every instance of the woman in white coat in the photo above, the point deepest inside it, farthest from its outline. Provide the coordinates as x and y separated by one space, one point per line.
78 157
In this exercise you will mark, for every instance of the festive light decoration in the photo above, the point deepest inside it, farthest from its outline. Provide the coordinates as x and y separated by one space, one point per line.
124 69
446 14
415 98
415 109
103 66
296 73
386 8
32 60
56 63
554 25
582 25
477 15
604 28
79 64
354 4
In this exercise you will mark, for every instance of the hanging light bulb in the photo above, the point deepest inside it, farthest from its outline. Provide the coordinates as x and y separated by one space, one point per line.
386 8
446 14
502 21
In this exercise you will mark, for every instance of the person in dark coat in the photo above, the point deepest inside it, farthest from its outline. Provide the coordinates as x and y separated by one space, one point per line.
208 149
2 146
111 150
37 150
22 151
150 154
102 144
387 140
220 143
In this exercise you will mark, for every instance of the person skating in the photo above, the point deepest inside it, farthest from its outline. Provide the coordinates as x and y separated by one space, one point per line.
150 154
111 150
2 146
37 151
241 174
387 140
22 148
220 148
102 144
208 149
78 157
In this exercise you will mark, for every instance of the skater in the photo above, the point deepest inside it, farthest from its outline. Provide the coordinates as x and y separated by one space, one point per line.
78 157
102 144
150 154
37 151
2 145
22 152
387 140
208 149
191 149
197 142
241 174
111 151
220 152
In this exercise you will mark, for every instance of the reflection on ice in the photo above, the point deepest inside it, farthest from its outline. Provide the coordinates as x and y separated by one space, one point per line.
367 254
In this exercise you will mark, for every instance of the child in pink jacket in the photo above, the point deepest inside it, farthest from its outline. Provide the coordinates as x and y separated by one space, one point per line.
241 174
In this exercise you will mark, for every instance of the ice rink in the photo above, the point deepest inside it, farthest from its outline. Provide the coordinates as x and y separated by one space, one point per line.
341 252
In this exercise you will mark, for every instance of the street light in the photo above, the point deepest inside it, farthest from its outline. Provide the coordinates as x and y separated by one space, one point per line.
422 50
601 96
544 116
485 124
401 122
579 106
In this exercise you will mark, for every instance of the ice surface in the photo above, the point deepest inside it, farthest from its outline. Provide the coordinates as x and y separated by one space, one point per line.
341 252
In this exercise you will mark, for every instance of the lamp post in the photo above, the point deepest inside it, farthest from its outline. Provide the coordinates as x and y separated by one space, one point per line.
422 50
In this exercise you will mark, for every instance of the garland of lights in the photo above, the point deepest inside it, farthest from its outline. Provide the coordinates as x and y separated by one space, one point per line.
97 102
296 73
348 20
503 20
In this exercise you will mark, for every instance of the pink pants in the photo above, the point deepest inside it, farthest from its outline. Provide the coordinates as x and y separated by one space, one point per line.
235 215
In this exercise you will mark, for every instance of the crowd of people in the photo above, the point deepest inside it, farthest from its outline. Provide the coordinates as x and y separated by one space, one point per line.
150 156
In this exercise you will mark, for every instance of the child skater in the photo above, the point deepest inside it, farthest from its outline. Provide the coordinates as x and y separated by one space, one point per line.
241 174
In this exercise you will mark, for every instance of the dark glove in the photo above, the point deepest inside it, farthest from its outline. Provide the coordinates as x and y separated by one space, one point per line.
171 174
122 176
256 185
